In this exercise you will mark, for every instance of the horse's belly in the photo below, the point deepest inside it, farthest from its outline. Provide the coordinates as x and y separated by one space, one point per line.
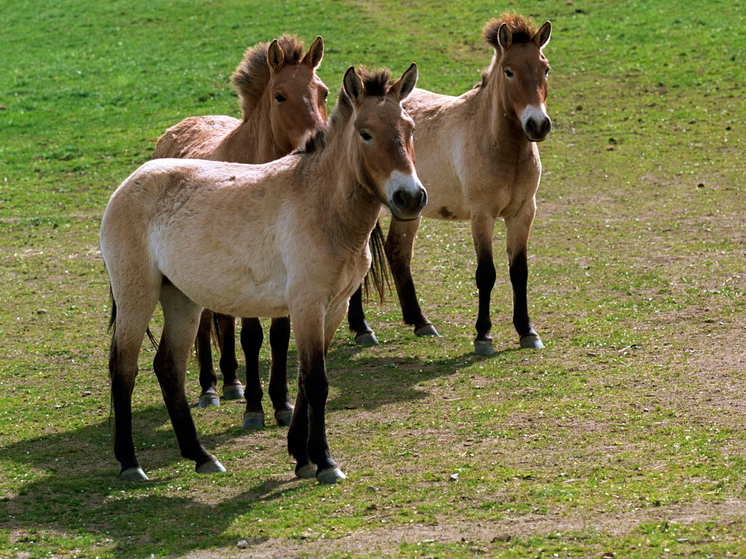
242 297
445 203
230 285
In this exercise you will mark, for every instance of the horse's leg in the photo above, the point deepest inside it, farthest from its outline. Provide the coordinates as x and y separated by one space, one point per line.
129 329
482 228
307 441
123 368
279 340
180 322
251 341
356 319
399 250
232 387
208 379
518 229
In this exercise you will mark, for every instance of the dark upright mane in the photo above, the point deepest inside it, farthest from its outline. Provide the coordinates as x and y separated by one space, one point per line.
252 75
523 31
522 28
377 83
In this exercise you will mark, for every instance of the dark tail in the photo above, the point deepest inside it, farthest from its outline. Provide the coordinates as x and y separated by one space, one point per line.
379 275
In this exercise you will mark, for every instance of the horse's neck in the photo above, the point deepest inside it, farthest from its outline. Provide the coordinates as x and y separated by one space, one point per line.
252 141
351 206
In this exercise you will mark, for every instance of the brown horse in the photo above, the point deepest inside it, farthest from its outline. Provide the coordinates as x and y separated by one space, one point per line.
288 237
282 101
478 159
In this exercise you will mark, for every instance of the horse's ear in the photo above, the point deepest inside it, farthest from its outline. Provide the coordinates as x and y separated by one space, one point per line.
353 85
315 53
404 85
504 37
275 56
542 35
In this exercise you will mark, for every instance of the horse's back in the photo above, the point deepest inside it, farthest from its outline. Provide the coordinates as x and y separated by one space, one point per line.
177 217
195 137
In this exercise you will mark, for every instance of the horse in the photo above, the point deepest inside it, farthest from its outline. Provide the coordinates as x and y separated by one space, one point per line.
282 101
289 237
478 160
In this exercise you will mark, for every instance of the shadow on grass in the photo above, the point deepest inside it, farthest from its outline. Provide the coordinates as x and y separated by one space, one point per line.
75 489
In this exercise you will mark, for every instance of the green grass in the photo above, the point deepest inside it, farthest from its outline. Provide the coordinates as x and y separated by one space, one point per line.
625 435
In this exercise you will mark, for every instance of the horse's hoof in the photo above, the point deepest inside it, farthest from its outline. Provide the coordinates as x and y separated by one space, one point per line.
209 398
233 392
211 468
483 347
253 420
330 476
366 339
284 417
426 330
306 472
531 342
133 474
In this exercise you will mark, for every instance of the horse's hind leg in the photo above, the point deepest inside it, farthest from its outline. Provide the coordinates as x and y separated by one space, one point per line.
399 250
129 330
279 340
251 341
356 319
232 387
180 322
208 379
518 229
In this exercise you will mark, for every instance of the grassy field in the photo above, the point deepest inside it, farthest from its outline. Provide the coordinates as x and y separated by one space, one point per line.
624 437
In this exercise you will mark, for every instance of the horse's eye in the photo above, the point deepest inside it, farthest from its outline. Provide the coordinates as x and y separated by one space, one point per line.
279 98
365 136
508 73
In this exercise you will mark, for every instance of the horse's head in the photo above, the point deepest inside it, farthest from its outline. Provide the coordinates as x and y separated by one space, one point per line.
297 95
522 70
383 133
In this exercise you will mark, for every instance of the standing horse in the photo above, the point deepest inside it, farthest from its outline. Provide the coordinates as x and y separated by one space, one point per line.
282 101
288 237
478 159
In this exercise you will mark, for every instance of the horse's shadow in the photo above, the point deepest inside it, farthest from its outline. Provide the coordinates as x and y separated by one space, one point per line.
75 471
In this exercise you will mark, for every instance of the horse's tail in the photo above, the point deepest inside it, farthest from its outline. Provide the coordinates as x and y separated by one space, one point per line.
217 331
379 274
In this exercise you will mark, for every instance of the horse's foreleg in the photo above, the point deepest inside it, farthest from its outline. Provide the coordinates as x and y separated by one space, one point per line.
180 322
482 228
518 229
399 251
356 319
279 340
307 435
208 379
232 387
252 337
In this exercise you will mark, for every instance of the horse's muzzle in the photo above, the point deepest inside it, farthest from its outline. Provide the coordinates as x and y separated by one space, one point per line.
406 196
537 128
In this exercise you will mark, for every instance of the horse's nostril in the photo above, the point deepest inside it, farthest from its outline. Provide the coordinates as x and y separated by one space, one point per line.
422 198
399 199
538 128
